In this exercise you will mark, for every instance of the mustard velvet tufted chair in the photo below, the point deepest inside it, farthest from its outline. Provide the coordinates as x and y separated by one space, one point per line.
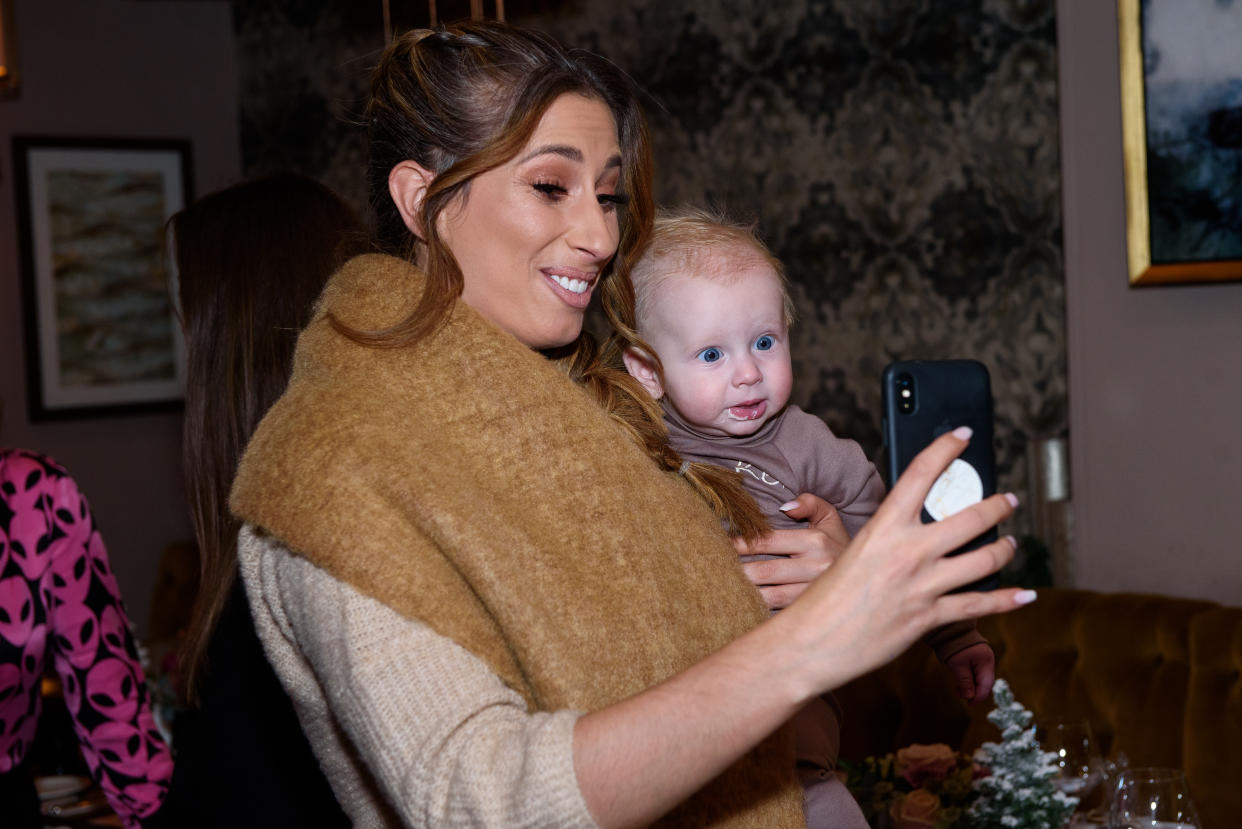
1158 678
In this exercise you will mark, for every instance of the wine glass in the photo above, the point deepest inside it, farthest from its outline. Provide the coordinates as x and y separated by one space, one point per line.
1152 798
1080 766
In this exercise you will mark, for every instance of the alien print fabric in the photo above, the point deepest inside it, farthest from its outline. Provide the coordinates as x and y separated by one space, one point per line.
59 600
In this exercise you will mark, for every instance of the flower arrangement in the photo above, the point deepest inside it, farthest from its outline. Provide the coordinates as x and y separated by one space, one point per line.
1006 784
917 787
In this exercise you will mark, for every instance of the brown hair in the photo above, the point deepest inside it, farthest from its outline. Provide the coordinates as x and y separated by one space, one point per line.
251 261
465 99
462 100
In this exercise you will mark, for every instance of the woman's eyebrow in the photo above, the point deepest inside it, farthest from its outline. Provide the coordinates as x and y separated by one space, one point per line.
566 151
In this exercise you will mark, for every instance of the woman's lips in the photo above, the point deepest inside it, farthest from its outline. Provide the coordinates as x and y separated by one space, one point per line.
751 410
573 287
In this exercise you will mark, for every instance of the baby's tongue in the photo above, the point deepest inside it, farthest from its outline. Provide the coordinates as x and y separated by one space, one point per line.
748 412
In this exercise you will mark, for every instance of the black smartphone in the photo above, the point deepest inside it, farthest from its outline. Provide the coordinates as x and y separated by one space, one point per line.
923 399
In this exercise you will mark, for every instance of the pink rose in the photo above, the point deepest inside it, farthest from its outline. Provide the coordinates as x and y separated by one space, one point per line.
921 763
917 810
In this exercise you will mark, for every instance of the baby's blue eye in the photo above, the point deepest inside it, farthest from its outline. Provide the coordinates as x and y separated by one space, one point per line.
709 355
765 343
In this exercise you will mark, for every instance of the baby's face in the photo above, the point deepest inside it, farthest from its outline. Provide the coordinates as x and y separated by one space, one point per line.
725 347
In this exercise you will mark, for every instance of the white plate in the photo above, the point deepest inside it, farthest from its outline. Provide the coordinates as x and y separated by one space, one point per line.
74 808
60 785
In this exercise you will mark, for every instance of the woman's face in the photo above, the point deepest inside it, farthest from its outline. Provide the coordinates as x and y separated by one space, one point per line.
533 235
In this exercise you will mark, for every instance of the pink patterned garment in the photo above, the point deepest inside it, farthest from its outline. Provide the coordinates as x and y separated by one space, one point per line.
59 599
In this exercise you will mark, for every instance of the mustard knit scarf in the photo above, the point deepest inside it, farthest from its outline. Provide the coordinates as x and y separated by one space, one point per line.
465 482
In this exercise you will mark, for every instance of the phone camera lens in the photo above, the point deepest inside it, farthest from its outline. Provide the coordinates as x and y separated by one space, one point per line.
905 393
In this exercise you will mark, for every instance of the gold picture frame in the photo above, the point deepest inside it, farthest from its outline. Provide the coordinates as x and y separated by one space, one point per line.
1146 266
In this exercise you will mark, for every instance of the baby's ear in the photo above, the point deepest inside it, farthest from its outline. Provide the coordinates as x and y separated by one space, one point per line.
642 368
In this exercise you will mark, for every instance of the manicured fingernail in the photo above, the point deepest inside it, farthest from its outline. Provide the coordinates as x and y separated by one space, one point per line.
1012 499
963 432
1024 596
1013 542
787 506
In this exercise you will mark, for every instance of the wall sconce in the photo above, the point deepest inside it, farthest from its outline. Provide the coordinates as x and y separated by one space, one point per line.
8 51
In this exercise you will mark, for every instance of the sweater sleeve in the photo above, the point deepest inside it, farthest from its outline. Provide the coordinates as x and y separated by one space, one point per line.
410 727
835 469
95 654
953 638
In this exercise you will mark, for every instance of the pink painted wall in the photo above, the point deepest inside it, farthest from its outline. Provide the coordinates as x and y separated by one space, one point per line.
1155 374
115 68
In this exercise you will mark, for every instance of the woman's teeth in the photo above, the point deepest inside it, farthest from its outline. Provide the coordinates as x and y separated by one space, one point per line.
575 286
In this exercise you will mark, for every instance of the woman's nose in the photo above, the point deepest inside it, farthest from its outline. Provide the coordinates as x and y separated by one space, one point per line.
593 229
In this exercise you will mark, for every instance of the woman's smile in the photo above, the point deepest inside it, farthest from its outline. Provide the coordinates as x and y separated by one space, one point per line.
572 285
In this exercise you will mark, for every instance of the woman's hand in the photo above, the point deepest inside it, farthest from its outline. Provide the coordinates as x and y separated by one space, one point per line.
805 553
891 585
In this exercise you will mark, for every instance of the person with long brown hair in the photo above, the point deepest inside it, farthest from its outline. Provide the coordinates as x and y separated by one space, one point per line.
250 262
488 605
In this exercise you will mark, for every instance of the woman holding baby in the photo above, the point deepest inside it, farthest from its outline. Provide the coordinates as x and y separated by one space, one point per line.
467 546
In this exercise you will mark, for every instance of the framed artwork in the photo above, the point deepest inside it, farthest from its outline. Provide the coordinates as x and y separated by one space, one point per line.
1181 101
102 335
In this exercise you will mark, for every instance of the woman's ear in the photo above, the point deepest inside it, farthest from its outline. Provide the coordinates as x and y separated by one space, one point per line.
407 185
642 368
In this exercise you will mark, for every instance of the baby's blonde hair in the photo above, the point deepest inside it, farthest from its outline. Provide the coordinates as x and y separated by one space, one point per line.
699 242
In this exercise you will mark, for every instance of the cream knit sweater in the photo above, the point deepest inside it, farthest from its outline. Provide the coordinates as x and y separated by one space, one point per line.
410 728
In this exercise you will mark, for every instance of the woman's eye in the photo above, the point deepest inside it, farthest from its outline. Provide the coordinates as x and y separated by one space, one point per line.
765 343
550 191
709 355
611 201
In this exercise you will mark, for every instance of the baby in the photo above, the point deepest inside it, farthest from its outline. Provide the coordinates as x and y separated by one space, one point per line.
712 303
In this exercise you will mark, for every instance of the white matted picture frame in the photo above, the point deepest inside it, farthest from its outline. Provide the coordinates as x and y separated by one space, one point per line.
102 334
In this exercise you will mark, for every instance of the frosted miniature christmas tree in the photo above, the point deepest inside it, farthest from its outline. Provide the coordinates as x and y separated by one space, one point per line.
1019 793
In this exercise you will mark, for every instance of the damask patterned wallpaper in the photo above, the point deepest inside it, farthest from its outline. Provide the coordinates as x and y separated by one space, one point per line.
899 156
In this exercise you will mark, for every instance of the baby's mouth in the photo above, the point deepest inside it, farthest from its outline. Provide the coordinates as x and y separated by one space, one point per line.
751 410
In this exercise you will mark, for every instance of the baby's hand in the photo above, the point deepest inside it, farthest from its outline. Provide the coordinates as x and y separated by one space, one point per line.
975 669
